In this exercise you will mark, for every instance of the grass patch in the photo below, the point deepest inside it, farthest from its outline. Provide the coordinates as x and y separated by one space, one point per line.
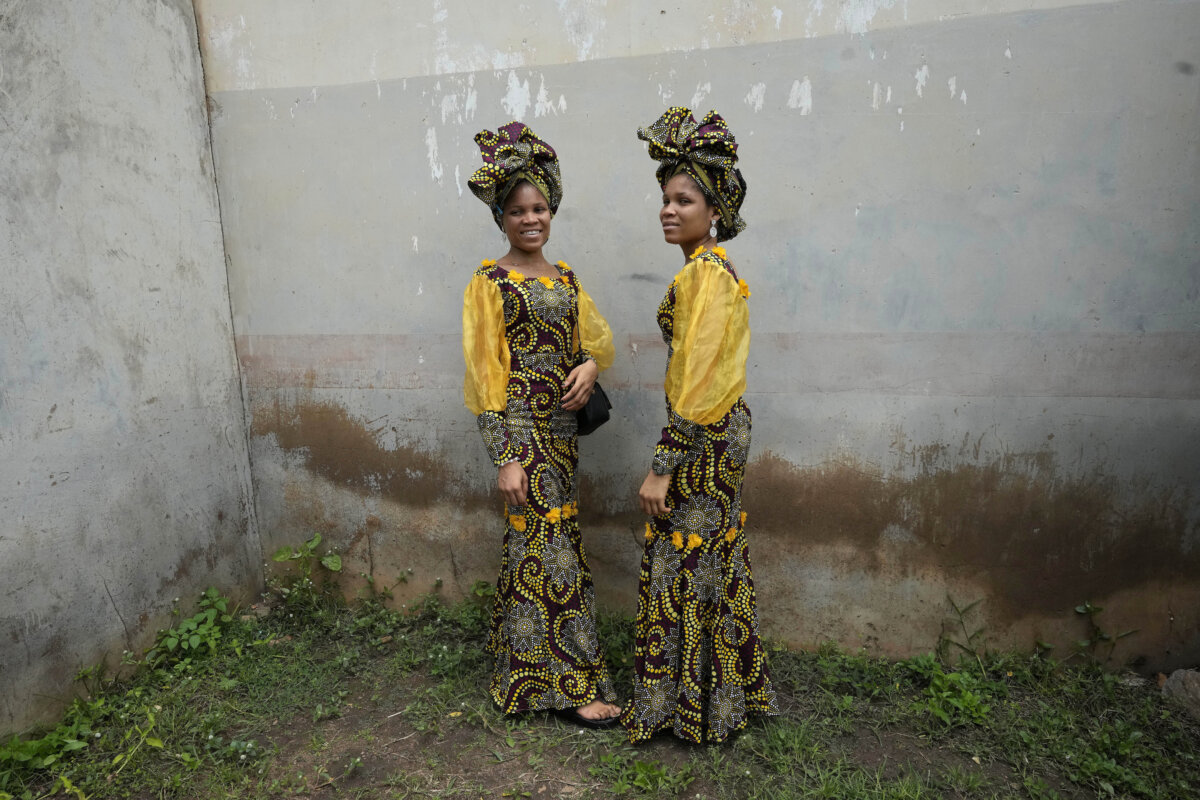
320 699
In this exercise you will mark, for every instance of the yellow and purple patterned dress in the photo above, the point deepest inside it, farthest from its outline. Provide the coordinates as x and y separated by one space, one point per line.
521 338
699 667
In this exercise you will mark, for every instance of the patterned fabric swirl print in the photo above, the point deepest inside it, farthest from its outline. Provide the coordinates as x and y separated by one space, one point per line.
543 633
512 153
699 666
708 153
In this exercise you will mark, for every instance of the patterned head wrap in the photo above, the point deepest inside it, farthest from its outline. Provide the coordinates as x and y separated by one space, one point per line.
708 153
512 154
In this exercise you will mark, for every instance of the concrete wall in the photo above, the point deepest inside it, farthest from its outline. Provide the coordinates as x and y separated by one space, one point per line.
976 361
124 472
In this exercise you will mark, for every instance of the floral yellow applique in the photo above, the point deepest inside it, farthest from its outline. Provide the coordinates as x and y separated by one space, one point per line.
554 515
719 251
694 541
743 288
677 540
649 532
696 253
487 262
518 522
515 276
565 279
562 265
546 282
731 534
569 510
743 518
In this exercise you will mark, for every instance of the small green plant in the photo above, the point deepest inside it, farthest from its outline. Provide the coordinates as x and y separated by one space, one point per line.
1096 636
198 634
629 775
972 643
957 698
306 559
133 740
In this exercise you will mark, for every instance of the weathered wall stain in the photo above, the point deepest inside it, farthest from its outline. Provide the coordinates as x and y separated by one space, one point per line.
1030 541
350 454
1040 543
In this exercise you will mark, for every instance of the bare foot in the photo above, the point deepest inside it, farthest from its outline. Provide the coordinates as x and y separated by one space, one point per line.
598 710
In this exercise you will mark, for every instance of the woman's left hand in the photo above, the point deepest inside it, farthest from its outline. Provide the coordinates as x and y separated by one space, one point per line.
577 388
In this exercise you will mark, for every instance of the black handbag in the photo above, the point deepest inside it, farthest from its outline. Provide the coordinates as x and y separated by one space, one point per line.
595 413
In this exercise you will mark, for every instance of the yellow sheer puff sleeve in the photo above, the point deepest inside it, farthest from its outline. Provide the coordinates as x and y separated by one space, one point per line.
485 349
711 342
595 338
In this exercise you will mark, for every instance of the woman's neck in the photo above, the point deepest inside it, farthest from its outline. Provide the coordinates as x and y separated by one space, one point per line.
532 263
708 243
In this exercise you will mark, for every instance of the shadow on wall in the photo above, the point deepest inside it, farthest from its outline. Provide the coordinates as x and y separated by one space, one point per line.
1031 543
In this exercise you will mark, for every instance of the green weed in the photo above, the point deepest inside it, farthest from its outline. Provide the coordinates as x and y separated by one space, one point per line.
206 721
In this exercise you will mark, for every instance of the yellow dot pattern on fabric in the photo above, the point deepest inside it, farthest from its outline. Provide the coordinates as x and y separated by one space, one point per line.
514 152
542 635
699 666
707 151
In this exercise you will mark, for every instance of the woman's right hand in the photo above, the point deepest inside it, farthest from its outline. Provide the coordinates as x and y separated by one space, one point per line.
513 483
652 497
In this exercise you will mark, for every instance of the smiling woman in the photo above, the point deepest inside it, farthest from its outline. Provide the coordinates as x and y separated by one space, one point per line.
533 343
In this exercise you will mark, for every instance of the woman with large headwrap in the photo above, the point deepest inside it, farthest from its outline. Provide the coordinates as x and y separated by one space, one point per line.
533 343
699 667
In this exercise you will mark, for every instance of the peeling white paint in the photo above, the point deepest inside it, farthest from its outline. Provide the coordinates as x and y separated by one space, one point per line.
855 16
502 61
450 108
815 7
583 21
801 96
1008 50
953 82
876 95
665 94
756 96
458 180
235 45
416 248
545 105
442 62
431 153
702 91
888 98
777 13
963 96
516 100
922 76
